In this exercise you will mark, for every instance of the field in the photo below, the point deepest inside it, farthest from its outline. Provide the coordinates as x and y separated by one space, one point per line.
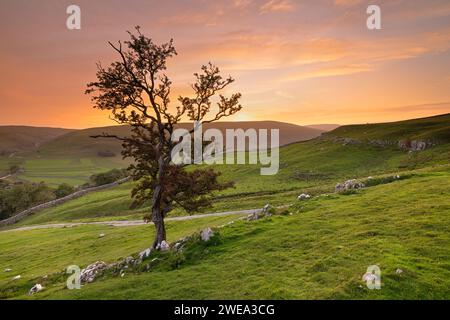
315 249
319 252
314 166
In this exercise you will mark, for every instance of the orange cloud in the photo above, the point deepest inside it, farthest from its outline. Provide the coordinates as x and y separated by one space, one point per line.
276 5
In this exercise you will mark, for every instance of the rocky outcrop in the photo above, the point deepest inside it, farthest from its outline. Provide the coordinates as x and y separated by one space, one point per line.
414 145
259 214
206 234
35 289
405 144
304 196
89 273
349 185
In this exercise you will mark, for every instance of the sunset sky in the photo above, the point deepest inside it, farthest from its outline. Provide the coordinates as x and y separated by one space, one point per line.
299 61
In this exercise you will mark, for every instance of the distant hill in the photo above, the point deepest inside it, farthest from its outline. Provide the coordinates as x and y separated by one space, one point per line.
81 144
435 129
324 127
23 138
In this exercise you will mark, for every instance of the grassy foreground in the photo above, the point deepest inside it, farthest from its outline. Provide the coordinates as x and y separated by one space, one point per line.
320 251
35 253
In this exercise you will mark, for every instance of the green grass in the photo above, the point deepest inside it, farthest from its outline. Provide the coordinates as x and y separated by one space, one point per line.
321 251
314 166
35 253
74 171
436 128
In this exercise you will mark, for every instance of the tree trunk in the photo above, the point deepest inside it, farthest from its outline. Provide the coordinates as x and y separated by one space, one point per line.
157 217
160 230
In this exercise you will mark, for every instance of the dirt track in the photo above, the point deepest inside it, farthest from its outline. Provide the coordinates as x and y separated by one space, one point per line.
128 223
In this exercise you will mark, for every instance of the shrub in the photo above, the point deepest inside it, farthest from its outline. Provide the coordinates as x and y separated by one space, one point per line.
21 196
111 176
63 190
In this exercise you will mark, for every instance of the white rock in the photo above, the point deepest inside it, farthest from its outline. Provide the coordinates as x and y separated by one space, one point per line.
206 234
101 235
144 254
369 277
164 246
304 196
35 289
8 270
17 277
89 273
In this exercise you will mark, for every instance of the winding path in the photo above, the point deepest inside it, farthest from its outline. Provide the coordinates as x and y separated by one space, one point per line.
128 223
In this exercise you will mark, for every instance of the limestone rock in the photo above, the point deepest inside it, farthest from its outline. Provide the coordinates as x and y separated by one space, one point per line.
163 246
145 254
304 196
206 234
35 289
349 185
89 273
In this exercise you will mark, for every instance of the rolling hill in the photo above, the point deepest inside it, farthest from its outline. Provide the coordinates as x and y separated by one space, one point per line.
74 156
23 138
79 143
435 129
314 249
313 166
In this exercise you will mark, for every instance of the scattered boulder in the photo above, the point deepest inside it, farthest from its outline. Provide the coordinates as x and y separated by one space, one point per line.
163 246
265 212
129 260
370 277
145 254
35 289
8 270
17 277
414 145
303 196
101 235
89 273
349 185
206 234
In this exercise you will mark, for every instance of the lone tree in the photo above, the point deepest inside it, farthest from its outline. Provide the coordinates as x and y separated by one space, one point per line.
136 91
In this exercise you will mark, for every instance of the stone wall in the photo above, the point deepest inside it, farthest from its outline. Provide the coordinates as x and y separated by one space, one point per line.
77 194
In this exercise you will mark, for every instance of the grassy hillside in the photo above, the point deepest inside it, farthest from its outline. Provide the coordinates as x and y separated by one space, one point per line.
314 166
80 144
35 253
436 128
73 157
320 251
22 138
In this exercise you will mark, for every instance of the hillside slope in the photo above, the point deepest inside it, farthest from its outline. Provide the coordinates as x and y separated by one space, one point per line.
320 251
436 129
313 166
24 138
80 143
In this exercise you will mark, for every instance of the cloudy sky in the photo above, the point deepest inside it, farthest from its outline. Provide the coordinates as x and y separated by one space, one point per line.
299 61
